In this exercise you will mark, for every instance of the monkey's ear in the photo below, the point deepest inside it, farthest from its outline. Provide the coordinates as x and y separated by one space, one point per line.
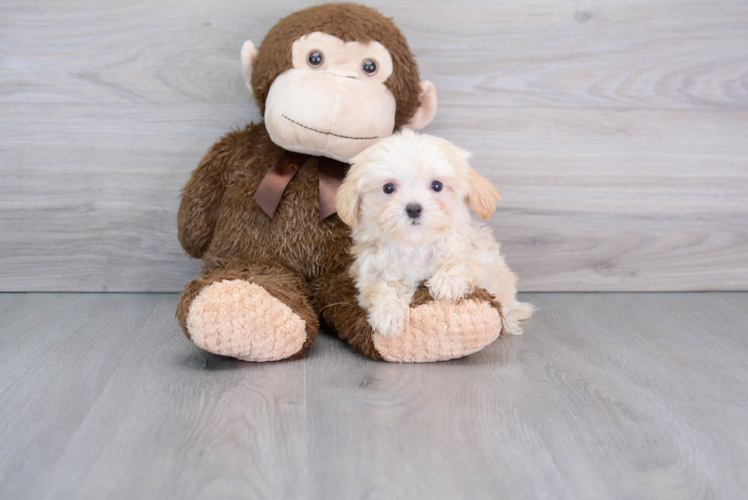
481 194
427 109
249 54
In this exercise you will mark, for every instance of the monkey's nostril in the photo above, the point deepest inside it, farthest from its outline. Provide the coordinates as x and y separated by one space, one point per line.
414 210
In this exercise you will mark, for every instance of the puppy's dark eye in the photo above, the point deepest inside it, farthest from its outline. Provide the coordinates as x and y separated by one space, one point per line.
436 186
389 188
369 67
315 59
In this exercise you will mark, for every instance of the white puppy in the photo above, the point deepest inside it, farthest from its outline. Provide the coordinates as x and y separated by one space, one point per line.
407 199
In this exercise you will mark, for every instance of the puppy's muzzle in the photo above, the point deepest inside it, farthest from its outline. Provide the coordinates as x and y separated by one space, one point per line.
413 210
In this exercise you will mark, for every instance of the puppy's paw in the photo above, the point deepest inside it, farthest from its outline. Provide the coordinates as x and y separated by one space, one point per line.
389 320
449 287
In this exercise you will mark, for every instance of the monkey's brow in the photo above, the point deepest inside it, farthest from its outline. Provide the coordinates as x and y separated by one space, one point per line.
329 133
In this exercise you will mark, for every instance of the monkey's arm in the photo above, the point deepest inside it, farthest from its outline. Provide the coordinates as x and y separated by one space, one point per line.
203 193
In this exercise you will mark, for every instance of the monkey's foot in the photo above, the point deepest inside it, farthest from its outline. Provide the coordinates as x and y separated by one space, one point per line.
241 319
442 330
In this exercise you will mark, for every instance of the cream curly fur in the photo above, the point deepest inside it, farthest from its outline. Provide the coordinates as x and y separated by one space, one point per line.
394 252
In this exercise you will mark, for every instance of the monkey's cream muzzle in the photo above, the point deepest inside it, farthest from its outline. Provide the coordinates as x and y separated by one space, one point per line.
324 114
333 108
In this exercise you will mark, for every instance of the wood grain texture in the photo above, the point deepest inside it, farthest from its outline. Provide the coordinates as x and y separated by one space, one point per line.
623 215
605 396
662 54
616 131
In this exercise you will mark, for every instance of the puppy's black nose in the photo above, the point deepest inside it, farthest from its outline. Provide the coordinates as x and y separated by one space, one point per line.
414 210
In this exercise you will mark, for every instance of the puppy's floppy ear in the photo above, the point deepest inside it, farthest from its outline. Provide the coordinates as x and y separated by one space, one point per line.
347 198
482 195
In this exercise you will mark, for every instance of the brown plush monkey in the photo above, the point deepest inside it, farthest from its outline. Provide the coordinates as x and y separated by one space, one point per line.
329 80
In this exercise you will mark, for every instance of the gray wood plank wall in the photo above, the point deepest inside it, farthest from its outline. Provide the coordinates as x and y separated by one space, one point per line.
617 131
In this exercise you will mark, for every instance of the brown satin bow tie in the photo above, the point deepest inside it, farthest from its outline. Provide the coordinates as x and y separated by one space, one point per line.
272 186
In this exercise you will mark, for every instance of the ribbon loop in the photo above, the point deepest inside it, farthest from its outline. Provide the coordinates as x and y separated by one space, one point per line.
272 186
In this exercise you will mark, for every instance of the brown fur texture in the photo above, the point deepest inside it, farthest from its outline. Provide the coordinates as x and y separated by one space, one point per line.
335 298
349 22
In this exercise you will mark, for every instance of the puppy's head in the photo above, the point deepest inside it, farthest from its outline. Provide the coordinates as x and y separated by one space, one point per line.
412 189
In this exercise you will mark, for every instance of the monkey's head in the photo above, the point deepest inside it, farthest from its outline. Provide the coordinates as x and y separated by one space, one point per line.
331 80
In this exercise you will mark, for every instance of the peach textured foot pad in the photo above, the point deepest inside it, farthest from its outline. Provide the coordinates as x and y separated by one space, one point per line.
240 319
440 331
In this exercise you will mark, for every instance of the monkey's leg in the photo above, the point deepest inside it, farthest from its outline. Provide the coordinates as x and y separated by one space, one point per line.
250 311
436 331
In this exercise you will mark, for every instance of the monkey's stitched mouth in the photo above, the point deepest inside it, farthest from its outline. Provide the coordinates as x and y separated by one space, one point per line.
329 133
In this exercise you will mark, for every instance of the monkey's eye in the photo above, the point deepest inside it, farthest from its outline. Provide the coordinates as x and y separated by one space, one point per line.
369 67
436 186
388 188
315 59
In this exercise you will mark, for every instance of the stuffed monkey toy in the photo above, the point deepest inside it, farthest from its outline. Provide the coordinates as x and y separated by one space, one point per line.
259 209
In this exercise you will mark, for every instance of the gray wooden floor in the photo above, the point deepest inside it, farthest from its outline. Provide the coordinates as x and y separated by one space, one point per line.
605 396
